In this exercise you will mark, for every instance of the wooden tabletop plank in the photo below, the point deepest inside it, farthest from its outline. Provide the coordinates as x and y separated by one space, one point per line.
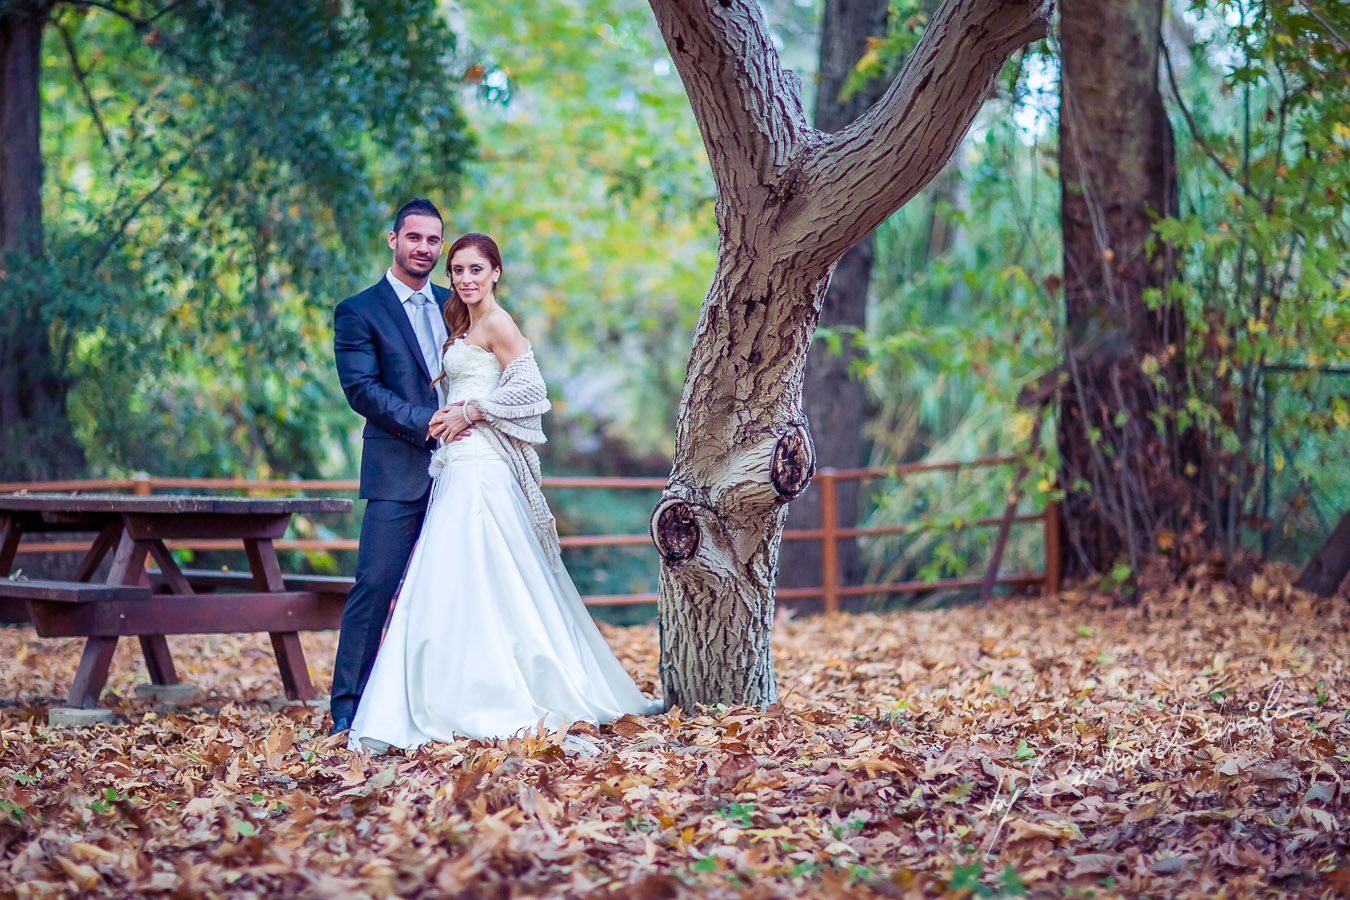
190 614
71 591
116 504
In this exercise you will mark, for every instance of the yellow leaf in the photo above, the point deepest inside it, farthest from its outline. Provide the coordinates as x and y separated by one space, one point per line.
85 877
90 851
960 792
764 834
872 765
870 60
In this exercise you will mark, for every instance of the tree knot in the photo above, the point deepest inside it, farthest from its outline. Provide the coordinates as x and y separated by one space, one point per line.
675 530
794 463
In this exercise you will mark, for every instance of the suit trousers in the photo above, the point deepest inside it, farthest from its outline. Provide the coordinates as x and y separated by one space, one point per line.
389 530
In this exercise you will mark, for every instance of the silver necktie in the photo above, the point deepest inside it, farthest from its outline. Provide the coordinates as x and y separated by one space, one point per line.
426 333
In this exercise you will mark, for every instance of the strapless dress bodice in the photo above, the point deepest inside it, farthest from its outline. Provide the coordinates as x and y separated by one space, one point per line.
470 371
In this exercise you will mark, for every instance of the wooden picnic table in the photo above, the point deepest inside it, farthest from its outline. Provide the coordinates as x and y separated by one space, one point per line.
137 601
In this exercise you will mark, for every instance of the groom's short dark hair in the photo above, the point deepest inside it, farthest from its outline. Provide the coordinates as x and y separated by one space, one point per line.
416 207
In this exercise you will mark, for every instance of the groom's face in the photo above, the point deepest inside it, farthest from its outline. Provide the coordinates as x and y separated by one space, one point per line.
416 246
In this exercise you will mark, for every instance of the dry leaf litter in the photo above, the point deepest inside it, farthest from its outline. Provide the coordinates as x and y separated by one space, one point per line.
1191 745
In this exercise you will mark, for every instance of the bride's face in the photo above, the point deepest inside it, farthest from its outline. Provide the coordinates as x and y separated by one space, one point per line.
472 274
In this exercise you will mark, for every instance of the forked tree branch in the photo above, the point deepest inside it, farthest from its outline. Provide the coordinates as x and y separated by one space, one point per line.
861 175
812 195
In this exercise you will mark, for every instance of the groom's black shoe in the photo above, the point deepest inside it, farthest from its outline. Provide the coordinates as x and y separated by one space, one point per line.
341 724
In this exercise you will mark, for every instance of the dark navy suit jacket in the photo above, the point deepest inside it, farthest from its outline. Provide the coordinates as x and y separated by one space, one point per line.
386 381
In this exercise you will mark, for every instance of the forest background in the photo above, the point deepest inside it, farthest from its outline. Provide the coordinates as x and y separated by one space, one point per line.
214 183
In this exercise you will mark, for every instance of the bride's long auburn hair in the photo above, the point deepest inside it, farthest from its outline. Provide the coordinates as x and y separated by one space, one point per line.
455 312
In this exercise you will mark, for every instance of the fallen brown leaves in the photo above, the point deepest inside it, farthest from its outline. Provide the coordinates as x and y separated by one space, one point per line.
1192 746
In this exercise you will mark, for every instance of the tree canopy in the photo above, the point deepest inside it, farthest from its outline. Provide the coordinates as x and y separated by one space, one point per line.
215 174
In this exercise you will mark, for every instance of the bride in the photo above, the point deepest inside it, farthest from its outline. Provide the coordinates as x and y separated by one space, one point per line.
488 637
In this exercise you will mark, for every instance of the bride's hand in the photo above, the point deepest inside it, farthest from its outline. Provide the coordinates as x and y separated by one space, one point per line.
449 423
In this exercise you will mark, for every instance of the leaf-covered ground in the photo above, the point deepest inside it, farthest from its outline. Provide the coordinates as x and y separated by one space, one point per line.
1193 745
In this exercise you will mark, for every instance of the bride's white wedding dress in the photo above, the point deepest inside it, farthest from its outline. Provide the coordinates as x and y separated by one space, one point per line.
487 637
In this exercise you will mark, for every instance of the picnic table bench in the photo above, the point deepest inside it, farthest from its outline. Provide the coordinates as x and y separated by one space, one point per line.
148 604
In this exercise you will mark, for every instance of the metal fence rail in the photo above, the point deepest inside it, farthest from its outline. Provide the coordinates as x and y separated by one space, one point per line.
831 591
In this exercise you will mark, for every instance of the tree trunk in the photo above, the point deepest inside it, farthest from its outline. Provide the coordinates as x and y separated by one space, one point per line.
1329 565
791 200
832 396
20 151
35 432
1116 171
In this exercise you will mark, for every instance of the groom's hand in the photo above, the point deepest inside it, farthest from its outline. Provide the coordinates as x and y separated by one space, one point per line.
449 423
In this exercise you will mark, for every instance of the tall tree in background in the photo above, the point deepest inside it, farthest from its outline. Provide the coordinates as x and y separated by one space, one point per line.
832 397
790 202
1123 471
32 389
212 173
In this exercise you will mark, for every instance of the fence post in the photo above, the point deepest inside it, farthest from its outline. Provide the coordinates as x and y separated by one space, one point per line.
1052 560
829 540
141 484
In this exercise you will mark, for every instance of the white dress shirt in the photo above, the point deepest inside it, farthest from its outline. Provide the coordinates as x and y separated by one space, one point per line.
403 292
438 331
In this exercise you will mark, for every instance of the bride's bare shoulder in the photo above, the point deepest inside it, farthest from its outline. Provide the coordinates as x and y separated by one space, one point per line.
504 337
500 324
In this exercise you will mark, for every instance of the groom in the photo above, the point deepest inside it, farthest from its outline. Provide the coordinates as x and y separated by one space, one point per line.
387 341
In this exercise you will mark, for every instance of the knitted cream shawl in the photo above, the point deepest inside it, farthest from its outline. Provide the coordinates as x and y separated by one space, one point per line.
511 424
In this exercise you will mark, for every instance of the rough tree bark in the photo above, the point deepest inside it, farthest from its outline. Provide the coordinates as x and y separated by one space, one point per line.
1116 172
833 399
20 151
790 201
35 434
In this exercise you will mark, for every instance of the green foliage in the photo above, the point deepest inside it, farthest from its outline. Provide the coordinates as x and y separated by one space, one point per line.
741 813
217 179
906 21
593 178
966 880
1264 239
965 313
967 308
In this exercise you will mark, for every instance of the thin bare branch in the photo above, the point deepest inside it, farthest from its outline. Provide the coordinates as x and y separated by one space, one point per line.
81 77
1186 114
1195 131
115 9
1331 29
131 214
164 10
